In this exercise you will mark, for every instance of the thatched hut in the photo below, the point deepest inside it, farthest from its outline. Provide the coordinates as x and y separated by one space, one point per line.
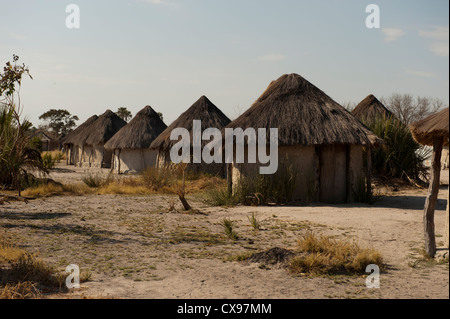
371 109
433 131
130 145
210 116
74 141
94 153
321 140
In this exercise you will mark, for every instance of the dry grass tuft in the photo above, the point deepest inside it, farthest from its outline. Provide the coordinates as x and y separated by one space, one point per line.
22 273
326 256
52 189
21 290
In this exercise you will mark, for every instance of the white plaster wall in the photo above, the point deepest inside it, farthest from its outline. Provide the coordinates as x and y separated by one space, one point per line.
134 160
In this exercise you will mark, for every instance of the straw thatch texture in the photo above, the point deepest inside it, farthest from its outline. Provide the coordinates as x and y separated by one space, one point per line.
370 109
321 142
140 132
434 126
79 135
104 128
304 115
203 110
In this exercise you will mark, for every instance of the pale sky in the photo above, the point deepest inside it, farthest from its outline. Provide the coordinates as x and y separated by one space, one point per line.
167 53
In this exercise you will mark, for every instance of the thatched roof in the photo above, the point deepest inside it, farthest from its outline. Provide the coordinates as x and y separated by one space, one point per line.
140 132
104 128
79 135
203 110
370 109
432 127
304 115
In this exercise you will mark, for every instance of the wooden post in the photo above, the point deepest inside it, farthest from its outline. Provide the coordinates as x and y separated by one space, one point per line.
430 203
316 173
369 170
446 237
118 161
348 175
230 179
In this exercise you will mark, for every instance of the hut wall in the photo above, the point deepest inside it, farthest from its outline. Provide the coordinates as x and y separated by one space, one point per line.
445 161
300 158
77 153
86 155
356 173
99 157
328 174
134 160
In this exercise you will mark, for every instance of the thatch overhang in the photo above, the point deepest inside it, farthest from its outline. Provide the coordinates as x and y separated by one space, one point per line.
304 115
433 127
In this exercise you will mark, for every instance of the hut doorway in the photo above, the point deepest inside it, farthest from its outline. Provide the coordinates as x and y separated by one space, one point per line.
107 156
333 174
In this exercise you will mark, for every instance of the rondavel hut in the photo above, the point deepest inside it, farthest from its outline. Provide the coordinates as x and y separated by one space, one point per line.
130 145
73 142
210 116
322 141
433 131
370 110
94 153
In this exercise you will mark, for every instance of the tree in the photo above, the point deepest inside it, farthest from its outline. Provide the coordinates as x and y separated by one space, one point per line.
59 121
410 109
124 114
16 152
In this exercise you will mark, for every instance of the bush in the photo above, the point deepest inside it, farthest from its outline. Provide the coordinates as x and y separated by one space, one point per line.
401 154
48 161
158 178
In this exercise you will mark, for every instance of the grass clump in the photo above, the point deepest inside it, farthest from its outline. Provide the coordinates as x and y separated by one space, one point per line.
97 180
56 189
20 290
219 196
254 222
228 226
258 190
326 256
23 275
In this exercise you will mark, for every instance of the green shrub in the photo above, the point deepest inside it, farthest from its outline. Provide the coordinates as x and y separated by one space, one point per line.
228 226
400 154
48 160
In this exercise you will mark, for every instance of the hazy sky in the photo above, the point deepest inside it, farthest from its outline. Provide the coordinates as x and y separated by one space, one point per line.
167 53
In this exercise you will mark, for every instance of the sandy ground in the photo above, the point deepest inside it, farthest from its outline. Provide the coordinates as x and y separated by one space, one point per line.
134 248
